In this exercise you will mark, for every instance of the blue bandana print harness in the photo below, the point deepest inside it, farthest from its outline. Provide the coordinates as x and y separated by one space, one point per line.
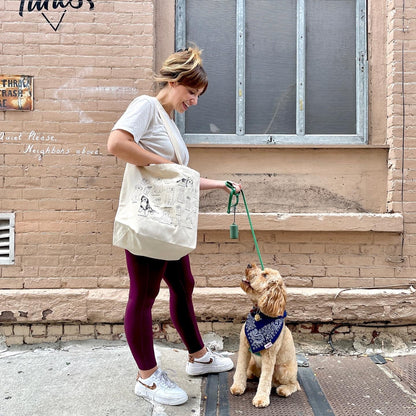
262 331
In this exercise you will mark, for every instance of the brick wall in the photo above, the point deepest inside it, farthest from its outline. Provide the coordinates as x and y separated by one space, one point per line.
310 338
56 173
85 75
401 75
63 186
314 259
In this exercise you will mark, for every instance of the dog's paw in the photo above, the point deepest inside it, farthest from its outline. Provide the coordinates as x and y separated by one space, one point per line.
237 389
287 390
261 400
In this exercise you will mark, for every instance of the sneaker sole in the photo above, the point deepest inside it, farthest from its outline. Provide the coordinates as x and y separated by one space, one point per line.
207 371
151 397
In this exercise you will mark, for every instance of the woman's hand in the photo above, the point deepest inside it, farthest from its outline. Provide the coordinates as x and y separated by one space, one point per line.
237 187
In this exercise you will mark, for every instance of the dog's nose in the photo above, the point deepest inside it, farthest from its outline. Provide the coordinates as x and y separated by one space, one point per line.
249 266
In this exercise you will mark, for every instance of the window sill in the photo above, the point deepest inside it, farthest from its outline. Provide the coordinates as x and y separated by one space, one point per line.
288 146
344 222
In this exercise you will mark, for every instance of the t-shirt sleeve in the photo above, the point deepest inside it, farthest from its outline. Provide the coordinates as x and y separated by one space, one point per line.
137 118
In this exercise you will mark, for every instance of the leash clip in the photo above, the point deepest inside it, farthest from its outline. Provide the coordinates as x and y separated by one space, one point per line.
233 193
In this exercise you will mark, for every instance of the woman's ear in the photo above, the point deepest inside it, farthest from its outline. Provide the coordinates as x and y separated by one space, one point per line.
273 301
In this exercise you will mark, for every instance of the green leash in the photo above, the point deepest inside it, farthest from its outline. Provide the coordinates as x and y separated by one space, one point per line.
234 227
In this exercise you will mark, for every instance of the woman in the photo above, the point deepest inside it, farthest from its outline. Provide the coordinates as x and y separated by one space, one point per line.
139 137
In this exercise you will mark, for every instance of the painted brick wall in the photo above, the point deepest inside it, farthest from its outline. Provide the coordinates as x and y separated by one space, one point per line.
401 76
56 173
314 259
58 178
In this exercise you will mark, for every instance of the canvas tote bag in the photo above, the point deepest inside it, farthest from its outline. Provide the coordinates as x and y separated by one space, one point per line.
158 208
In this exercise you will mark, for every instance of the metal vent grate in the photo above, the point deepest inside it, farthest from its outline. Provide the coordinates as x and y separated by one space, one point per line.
6 238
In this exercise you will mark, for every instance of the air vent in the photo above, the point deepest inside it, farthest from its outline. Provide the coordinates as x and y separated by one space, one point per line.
6 238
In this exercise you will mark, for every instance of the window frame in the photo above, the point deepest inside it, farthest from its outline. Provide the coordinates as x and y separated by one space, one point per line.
300 138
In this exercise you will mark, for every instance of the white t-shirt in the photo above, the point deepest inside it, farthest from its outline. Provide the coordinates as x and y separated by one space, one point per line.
143 121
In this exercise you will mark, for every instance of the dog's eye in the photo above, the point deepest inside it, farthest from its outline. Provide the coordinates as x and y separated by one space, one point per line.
265 274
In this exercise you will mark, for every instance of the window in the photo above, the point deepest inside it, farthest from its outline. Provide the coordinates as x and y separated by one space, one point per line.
6 238
280 71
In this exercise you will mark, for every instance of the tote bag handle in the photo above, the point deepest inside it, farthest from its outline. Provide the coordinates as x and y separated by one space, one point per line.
172 137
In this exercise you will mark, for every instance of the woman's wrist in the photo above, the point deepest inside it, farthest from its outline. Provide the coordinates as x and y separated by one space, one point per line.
206 184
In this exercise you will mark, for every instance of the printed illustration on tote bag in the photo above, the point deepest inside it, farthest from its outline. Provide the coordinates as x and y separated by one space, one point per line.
178 200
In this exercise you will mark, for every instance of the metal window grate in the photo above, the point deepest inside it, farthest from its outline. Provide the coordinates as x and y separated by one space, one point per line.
312 123
6 238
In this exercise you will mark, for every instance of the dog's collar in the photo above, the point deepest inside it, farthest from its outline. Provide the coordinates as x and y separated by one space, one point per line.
261 330
259 315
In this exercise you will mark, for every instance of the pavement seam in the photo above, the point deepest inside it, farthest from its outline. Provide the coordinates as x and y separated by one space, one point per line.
314 393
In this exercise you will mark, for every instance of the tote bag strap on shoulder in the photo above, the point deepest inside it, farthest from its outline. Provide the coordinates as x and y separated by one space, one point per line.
172 137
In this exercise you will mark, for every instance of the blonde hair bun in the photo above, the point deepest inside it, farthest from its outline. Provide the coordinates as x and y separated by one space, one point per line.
184 67
195 55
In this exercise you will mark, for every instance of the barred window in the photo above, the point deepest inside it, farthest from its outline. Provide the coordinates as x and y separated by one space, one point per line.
280 71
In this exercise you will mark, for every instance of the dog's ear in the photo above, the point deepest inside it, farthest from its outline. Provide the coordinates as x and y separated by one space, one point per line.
273 301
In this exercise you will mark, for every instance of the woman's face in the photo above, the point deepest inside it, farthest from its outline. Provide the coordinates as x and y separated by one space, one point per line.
183 96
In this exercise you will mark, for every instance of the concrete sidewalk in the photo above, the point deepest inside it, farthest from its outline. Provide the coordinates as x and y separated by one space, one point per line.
86 378
97 378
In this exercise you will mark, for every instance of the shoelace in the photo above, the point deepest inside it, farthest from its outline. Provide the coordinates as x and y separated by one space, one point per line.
165 381
214 354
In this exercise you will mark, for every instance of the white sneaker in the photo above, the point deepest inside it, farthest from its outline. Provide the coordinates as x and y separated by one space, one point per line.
211 362
159 388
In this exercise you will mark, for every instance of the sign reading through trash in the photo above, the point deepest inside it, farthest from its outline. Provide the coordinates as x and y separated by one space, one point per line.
16 92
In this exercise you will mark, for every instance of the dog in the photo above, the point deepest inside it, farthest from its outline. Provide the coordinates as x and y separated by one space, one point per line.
274 363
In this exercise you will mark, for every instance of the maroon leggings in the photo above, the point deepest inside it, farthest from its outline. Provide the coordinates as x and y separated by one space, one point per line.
146 275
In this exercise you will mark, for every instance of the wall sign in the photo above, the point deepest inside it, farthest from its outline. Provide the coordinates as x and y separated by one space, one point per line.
44 6
16 92
40 145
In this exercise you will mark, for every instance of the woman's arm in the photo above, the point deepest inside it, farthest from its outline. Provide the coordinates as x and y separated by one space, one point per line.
121 144
206 184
